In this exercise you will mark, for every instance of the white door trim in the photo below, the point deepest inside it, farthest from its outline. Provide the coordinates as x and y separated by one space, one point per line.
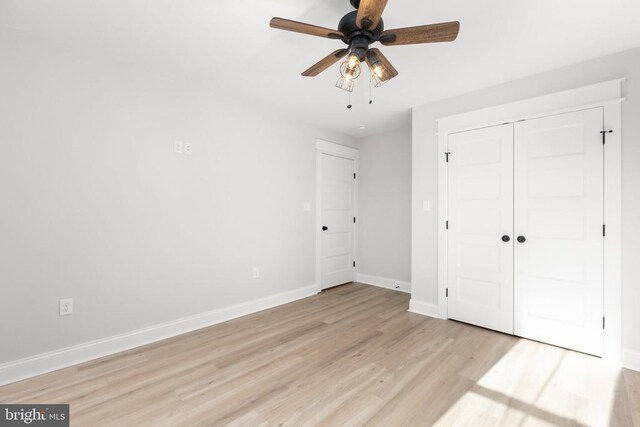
331 148
586 97
607 95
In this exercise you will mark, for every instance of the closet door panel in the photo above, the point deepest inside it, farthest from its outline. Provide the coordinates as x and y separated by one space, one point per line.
558 207
480 266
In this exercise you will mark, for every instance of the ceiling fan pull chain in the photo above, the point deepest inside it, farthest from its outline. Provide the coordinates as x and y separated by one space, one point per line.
370 92
349 106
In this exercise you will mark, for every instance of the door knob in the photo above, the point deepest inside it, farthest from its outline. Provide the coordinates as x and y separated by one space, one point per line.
506 238
522 239
324 228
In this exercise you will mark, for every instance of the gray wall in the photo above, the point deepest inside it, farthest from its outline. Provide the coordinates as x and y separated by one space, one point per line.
384 223
425 171
95 205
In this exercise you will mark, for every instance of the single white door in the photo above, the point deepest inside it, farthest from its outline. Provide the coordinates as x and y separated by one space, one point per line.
559 249
480 259
337 200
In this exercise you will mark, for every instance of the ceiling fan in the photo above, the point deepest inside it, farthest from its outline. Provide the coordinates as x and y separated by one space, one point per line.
359 30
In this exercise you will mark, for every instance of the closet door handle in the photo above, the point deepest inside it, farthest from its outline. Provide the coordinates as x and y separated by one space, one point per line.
506 238
325 228
522 239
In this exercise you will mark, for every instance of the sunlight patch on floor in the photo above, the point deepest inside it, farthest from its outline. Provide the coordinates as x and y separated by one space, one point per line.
538 384
475 409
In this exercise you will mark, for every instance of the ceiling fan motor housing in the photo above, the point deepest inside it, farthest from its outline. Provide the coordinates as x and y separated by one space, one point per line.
357 38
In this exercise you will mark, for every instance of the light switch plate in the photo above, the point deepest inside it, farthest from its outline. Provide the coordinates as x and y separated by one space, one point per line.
306 206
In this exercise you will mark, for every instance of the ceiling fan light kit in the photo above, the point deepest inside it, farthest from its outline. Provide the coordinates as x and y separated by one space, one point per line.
349 72
359 30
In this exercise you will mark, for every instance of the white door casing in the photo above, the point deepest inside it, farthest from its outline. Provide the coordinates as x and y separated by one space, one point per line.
480 266
558 209
337 213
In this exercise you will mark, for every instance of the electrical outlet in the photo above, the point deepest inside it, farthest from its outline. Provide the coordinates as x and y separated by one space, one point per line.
188 149
256 272
66 307
178 147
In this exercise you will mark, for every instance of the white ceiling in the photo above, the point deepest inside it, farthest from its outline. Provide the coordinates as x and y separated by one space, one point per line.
228 45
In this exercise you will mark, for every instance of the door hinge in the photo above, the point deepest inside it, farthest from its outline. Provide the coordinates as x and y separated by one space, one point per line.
604 135
448 153
354 176
603 323
447 225
447 292
604 230
354 263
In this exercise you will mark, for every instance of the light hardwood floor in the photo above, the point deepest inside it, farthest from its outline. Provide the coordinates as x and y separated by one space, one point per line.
350 356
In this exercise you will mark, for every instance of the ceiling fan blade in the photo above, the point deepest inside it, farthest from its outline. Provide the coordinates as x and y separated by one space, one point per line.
369 13
435 33
387 71
300 27
325 63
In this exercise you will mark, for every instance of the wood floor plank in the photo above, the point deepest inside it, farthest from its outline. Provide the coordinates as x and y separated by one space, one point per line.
350 356
631 391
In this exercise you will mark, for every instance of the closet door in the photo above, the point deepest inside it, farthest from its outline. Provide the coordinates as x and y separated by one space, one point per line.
480 240
559 248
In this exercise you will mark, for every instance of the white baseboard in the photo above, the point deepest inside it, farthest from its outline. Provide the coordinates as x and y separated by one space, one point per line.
424 308
47 362
383 282
631 359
